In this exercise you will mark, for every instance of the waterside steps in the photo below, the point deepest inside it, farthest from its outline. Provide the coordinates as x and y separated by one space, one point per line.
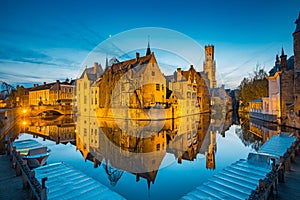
253 178
65 182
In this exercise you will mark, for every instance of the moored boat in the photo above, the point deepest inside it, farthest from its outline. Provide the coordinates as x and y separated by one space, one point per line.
34 152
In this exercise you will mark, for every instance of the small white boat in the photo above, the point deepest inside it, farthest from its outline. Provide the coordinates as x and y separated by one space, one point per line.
34 152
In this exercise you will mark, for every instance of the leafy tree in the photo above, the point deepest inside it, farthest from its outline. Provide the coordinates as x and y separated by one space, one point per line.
254 87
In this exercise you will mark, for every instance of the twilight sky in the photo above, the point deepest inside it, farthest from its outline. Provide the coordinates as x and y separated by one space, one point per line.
49 40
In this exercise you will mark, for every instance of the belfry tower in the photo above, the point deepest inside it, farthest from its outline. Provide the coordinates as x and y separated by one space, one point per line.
296 36
209 65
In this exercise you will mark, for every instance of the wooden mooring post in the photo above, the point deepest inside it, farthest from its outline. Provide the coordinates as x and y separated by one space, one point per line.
24 180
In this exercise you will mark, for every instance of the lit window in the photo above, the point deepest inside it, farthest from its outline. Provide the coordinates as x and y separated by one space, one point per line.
157 147
188 95
157 87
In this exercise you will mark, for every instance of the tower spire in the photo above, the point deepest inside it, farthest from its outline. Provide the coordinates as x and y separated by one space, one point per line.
148 52
297 22
106 63
283 61
282 52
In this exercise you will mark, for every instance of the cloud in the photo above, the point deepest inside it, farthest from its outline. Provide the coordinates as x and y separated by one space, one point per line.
10 54
33 73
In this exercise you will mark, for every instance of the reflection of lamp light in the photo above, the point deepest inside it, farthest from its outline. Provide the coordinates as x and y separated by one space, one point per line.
24 111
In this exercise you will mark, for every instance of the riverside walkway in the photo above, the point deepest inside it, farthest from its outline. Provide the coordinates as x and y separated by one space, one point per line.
11 186
291 188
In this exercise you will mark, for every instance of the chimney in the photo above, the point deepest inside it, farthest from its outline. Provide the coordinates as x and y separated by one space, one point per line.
95 68
137 56
179 74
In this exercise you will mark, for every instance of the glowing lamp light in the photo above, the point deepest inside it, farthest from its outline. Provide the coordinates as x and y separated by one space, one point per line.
24 111
24 123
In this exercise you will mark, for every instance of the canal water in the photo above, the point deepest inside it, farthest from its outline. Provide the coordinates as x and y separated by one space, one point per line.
189 156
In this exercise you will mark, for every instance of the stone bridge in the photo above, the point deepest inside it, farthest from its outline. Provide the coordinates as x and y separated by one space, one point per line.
58 109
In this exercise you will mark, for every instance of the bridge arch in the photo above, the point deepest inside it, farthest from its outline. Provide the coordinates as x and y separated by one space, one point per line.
59 110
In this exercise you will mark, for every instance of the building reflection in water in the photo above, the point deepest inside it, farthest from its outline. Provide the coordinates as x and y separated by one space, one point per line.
255 133
141 153
262 129
60 129
138 151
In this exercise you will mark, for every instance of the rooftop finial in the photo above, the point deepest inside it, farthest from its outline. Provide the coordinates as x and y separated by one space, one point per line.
282 52
148 52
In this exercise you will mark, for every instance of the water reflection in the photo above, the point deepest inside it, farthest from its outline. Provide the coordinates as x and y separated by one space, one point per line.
263 129
255 132
102 141
141 153
60 129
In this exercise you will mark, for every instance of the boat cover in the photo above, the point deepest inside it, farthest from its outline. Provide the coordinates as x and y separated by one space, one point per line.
29 145
65 182
236 181
276 146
